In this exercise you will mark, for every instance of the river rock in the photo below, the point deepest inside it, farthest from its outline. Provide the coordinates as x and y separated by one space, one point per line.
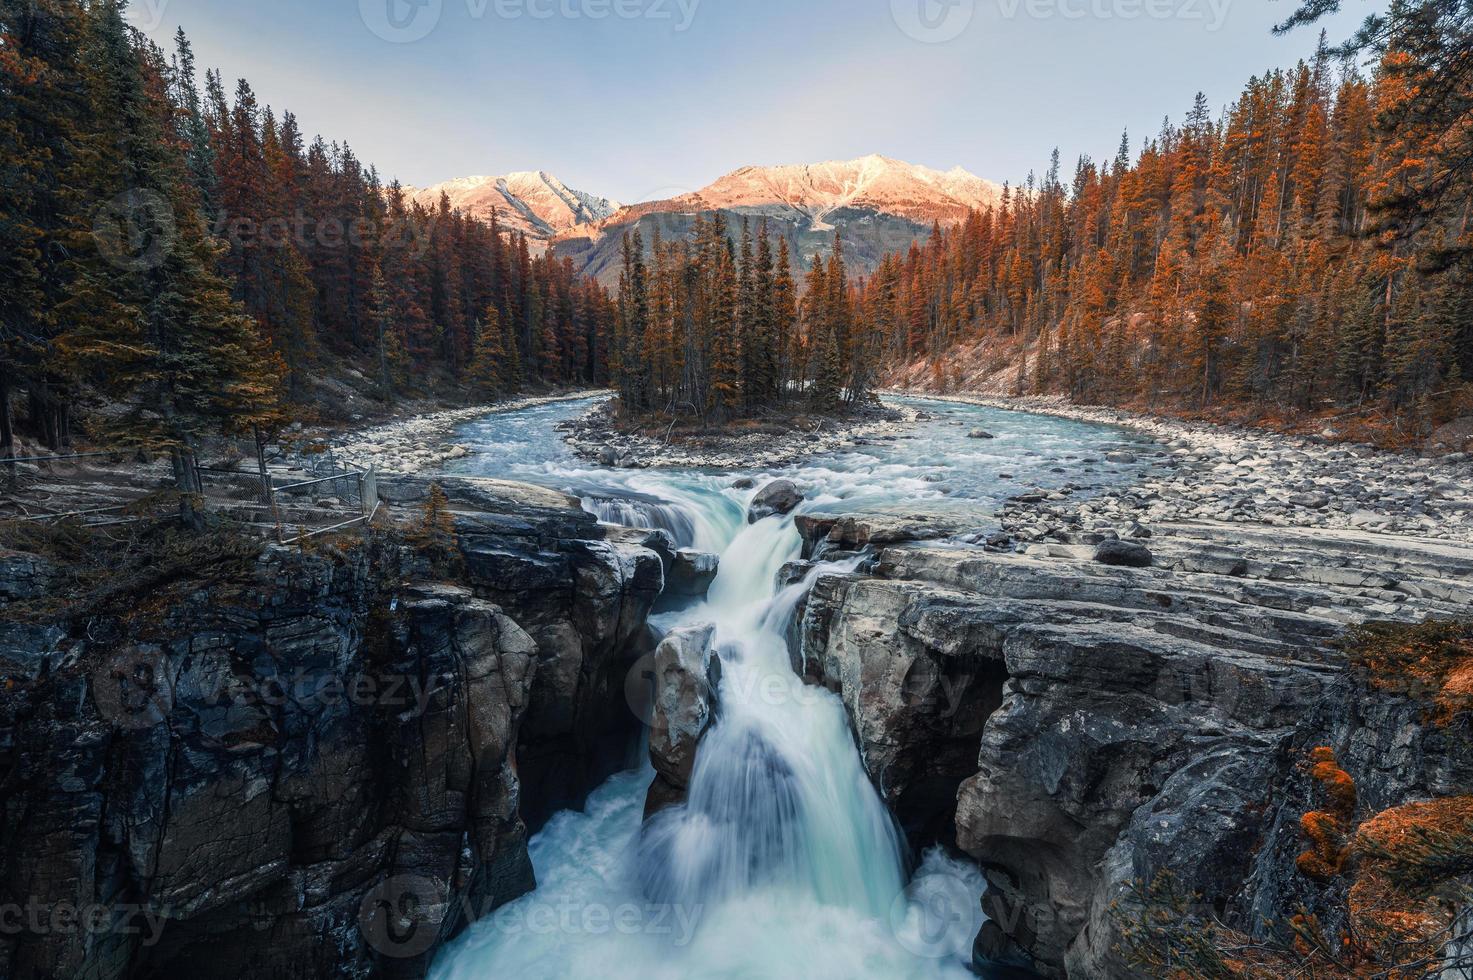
825 534
980 434
777 497
686 674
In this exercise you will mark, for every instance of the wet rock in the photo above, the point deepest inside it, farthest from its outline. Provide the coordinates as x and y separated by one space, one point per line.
686 674
1127 554
825 534
691 574
235 810
777 497
919 676
980 434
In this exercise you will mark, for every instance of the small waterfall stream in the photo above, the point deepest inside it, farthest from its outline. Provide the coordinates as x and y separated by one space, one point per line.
783 862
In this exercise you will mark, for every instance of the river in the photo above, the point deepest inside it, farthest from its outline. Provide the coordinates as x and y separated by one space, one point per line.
784 862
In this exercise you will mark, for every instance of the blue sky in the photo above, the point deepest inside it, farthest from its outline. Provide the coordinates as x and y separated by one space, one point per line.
641 99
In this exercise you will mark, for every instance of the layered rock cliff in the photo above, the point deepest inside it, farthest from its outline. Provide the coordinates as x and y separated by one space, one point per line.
1082 727
323 767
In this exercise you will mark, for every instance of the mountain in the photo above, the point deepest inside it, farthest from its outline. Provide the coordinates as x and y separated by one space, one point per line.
534 202
877 203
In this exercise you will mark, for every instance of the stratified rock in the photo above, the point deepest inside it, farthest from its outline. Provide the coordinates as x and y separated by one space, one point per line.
918 677
1133 721
686 674
1126 554
778 497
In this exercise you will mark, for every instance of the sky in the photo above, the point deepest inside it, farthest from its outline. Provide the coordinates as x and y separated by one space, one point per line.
645 99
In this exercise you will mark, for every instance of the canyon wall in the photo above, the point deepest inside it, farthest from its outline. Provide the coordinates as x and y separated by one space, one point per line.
1080 728
325 767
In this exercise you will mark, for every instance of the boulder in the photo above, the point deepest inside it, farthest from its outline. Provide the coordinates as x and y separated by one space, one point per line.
1126 554
1456 437
980 434
691 574
777 497
686 674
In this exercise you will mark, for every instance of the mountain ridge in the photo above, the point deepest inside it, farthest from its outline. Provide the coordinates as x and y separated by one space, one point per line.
877 203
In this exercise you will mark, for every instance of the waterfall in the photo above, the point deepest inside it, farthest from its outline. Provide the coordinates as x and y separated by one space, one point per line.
783 861
778 797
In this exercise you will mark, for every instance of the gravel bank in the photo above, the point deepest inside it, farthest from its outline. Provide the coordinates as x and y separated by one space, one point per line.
1205 472
595 438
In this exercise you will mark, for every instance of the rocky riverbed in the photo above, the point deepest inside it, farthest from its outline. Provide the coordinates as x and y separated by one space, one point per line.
1237 476
423 443
598 438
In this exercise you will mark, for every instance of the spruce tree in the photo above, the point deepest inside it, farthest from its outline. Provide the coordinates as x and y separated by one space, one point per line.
487 374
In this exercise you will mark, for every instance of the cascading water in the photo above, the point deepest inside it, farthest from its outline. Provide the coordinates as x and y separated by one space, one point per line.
778 798
783 862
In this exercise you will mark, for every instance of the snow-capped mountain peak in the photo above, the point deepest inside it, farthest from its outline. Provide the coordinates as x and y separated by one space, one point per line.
873 182
531 201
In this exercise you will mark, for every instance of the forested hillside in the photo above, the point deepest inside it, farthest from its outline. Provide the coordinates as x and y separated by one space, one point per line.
1306 254
185 261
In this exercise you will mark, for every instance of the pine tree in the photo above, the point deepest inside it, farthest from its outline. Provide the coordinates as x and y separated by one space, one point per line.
161 328
487 374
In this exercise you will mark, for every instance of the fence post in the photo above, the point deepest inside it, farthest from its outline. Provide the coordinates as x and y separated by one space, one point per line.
368 489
